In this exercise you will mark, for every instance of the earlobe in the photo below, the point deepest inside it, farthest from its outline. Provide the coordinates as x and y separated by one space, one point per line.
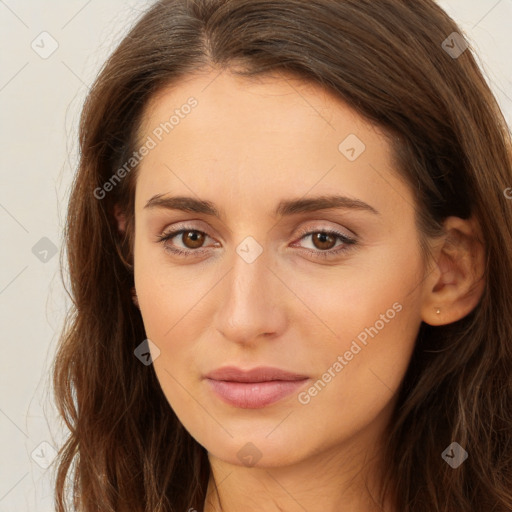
456 283
123 241
135 298
121 218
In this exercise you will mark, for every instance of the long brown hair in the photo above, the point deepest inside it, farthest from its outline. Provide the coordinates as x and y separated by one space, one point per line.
127 451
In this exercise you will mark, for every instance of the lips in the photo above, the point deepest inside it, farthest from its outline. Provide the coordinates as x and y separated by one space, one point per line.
253 388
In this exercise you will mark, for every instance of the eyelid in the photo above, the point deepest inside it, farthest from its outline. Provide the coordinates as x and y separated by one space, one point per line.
185 225
327 229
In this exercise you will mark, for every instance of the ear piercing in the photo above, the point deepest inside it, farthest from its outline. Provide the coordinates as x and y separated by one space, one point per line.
438 311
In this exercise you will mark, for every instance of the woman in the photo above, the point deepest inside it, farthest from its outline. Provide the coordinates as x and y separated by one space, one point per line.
289 244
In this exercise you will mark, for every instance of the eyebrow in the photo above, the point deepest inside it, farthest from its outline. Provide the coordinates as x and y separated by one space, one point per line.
284 208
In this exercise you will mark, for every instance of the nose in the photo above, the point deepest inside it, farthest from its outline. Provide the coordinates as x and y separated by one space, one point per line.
251 302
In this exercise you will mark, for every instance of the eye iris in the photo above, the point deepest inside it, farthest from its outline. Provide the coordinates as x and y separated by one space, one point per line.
196 238
323 238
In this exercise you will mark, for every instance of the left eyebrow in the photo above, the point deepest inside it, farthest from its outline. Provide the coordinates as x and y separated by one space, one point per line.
290 207
284 208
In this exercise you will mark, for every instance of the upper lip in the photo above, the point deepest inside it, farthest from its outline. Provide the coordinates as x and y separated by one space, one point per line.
259 374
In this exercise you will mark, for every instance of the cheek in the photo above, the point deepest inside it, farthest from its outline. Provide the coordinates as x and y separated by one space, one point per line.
171 311
371 319
173 319
377 289
358 380
176 308
169 295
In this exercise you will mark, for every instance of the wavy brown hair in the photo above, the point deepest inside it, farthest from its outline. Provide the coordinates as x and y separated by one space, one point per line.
126 450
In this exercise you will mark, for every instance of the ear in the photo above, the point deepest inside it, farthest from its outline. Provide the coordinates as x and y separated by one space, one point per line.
121 218
455 284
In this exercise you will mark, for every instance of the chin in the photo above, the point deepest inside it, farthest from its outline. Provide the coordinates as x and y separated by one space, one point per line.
266 445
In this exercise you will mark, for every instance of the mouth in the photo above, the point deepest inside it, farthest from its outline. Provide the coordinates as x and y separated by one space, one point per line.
254 388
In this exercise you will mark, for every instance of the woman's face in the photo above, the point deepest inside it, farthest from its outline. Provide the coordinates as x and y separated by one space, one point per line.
264 167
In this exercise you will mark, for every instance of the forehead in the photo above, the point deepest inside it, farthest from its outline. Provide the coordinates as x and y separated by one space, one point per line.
249 101
221 135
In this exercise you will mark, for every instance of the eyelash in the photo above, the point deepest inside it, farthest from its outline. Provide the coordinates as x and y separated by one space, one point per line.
348 243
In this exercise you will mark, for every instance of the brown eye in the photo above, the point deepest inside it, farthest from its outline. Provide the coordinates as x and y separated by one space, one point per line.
184 242
192 239
323 241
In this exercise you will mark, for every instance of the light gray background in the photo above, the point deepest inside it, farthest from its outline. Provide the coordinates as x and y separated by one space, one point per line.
40 101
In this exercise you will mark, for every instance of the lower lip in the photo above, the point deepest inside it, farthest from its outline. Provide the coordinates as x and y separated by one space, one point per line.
254 395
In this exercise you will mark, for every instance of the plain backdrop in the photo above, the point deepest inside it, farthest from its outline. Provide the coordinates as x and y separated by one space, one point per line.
50 53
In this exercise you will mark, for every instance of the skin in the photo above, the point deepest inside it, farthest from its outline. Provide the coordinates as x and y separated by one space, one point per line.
246 146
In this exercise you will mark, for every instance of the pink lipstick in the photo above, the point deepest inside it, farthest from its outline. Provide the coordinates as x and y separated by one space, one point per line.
254 388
